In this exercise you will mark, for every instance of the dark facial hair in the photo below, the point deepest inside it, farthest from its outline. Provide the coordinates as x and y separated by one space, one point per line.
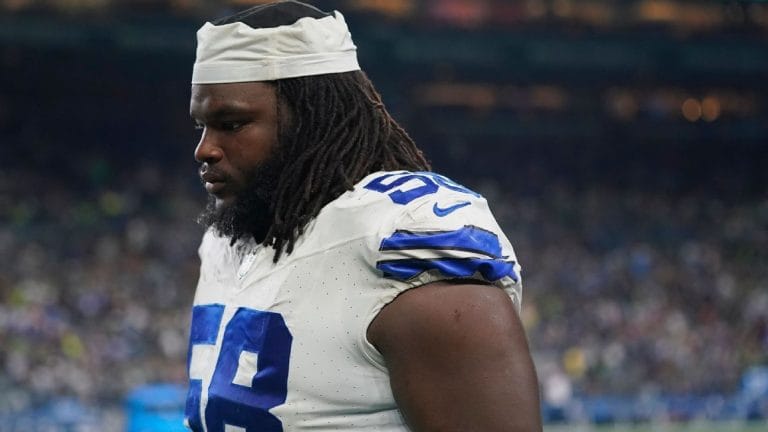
251 213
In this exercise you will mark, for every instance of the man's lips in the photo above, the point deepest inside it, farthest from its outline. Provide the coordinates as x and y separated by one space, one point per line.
214 183
215 187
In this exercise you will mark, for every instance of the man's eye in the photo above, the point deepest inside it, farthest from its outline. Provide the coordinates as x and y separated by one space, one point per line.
198 126
231 126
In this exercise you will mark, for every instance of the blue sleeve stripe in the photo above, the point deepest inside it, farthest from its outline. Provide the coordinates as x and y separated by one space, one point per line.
491 269
469 238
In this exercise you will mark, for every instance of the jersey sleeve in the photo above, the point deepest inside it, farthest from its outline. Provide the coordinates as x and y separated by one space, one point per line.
451 235
428 229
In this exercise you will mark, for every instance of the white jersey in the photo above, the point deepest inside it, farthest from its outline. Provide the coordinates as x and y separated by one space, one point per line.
282 347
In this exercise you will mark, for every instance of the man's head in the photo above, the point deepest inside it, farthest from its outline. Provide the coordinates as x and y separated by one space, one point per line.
288 124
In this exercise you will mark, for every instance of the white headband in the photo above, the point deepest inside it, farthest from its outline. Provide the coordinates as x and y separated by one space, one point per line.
236 52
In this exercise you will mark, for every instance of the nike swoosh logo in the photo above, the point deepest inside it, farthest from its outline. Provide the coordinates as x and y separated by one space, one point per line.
442 212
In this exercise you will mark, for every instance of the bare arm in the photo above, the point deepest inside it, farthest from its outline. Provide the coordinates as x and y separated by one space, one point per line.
458 359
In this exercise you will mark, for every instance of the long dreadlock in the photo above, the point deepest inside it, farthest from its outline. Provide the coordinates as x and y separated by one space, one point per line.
336 132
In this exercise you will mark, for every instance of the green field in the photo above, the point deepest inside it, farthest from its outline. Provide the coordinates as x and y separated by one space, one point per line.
664 427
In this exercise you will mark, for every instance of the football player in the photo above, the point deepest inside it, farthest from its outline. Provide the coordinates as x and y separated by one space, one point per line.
343 286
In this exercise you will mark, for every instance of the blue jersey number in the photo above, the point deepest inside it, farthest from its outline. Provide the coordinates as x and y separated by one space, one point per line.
428 183
251 373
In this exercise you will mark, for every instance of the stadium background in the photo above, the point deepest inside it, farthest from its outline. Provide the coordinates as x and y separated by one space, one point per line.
623 145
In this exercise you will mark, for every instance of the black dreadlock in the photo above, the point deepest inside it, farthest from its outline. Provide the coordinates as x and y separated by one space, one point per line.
336 132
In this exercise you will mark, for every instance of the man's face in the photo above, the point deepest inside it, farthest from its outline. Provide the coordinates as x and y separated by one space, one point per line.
237 152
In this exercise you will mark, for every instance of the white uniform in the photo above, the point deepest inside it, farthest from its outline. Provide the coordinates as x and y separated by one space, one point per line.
282 347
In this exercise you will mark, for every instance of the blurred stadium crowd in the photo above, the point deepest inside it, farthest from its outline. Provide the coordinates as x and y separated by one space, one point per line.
642 230
626 291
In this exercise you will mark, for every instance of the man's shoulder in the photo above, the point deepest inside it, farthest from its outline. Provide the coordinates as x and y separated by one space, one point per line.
387 201
404 199
385 196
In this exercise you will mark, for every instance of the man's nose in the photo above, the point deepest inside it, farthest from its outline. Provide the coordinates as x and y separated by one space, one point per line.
207 149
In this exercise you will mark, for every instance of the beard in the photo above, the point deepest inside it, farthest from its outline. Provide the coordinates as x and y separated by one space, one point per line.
251 213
